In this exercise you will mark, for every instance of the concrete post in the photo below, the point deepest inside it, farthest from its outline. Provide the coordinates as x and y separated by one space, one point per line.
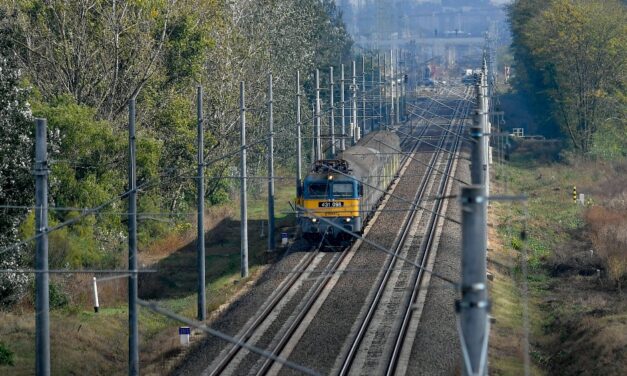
355 123
380 91
486 123
342 110
243 185
363 96
133 314
477 166
385 118
392 88
299 147
200 241
399 81
332 115
271 226
42 297
473 307
318 143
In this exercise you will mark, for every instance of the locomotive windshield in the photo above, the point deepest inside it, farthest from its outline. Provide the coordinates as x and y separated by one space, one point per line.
318 190
343 190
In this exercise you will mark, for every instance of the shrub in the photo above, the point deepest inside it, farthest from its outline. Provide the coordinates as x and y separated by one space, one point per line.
6 356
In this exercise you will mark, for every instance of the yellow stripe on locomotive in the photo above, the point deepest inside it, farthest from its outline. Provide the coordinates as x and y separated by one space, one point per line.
332 208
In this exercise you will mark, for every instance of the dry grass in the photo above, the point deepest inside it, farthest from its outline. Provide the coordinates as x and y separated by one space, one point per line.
608 232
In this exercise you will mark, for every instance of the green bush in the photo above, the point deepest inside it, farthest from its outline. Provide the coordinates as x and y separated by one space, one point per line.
58 299
6 356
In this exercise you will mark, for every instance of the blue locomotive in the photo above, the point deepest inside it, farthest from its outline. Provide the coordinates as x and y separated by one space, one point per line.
346 190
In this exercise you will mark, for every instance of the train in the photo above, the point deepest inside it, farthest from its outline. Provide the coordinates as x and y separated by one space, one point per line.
347 189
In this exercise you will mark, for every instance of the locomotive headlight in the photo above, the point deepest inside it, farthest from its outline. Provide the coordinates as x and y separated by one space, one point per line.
314 220
347 220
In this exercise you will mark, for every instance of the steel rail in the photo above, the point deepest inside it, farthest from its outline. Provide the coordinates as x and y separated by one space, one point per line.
311 300
425 246
268 307
383 281
318 287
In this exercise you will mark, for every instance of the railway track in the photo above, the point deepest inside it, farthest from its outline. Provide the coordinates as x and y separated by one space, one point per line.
230 361
403 342
370 348
286 314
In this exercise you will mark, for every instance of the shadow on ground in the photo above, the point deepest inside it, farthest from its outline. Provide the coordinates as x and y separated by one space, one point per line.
176 275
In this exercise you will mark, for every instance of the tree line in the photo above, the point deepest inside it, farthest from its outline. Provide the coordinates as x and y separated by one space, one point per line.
77 63
571 61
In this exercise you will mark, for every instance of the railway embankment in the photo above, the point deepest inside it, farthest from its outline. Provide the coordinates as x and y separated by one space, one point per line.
96 343
570 294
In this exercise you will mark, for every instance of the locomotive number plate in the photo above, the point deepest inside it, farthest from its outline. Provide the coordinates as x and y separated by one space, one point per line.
331 204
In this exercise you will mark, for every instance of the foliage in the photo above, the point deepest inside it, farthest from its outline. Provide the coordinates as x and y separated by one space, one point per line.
571 56
610 141
6 356
85 60
58 299
16 159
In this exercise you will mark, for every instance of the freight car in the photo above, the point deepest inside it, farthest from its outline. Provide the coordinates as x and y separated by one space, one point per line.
346 190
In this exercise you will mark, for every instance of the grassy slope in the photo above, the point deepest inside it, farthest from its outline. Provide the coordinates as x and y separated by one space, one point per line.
569 335
83 342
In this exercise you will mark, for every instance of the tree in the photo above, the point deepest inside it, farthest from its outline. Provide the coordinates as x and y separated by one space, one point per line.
16 161
574 54
100 52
